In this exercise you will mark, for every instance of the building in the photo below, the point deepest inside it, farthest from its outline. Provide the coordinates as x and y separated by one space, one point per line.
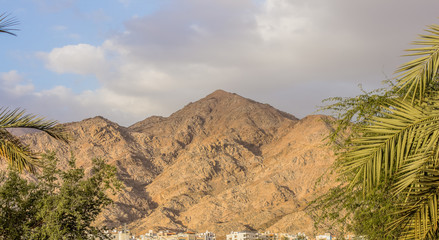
121 234
150 235
187 236
326 236
268 236
166 235
289 236
243 236
206 236
265 236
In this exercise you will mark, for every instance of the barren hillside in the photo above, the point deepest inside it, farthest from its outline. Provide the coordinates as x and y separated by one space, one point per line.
223 163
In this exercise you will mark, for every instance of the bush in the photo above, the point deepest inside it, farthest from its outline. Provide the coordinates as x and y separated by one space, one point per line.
59 204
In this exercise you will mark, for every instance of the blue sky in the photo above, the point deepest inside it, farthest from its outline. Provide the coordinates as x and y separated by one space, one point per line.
129 59
45 25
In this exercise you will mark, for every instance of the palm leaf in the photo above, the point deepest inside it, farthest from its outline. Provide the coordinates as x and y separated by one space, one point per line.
395 145
418 217
6 22
387 141
16 153
401 145
18 119
416 76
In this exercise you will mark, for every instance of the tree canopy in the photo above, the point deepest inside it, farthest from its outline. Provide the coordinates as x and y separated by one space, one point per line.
59 204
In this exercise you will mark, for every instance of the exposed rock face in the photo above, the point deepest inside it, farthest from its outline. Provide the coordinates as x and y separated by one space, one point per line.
220 164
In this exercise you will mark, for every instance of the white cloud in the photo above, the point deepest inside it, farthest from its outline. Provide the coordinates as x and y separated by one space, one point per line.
288 53
58 91
79 59
283 20
65 105
11 77
15 84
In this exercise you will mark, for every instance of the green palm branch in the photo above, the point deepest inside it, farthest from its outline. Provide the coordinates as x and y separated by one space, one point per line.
399 145
18 155
387 140
419 75
6 24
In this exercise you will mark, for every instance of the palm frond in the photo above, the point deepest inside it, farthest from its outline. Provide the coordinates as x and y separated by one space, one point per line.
17 154
416 76
6 22
396 144
401 145
18 119
387 141
418 217
12 150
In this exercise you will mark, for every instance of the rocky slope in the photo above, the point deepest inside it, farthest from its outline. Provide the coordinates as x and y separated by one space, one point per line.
223 163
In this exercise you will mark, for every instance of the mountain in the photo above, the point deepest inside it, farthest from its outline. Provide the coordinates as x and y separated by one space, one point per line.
223 163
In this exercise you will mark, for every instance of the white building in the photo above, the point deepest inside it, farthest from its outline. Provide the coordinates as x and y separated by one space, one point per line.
326 236
121 235
167 235
264 236
289 236
206 236
242 236
150 235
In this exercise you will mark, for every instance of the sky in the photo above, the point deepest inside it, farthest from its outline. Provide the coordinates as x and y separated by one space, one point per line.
127 60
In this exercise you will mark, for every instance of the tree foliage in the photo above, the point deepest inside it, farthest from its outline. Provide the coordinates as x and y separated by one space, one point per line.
59 204
388 153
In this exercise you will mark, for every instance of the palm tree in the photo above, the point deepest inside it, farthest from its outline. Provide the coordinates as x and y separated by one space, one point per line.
399 144
12 149
18 155
6 22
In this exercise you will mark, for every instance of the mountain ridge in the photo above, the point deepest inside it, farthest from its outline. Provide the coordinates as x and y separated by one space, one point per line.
221 163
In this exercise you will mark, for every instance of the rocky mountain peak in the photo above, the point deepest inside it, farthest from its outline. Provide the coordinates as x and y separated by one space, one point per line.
97 120
222 94
221 110
221 163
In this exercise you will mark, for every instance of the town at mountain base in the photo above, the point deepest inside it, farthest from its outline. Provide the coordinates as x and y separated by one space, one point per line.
223 163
